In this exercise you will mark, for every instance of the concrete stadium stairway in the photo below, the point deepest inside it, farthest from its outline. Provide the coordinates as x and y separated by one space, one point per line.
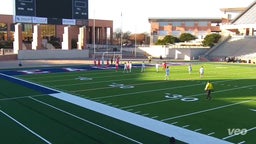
237 46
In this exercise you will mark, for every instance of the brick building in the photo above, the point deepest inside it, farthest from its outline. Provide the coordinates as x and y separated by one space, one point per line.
200 27
103 30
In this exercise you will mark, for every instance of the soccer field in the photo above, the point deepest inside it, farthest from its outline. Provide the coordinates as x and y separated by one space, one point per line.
88 105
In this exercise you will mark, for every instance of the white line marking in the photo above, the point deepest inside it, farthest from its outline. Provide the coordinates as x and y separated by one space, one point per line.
185 126
174 123
105 105
129 110
211 133
195 95
21 97
19 123
111 131
253 110
146 91
202 111
146 114
154 117
156 126
197 129
242 142
143 104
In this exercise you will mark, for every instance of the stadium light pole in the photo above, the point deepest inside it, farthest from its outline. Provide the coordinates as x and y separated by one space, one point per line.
94 51
135 42
121 41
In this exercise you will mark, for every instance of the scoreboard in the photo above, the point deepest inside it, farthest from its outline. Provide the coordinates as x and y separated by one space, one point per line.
62 12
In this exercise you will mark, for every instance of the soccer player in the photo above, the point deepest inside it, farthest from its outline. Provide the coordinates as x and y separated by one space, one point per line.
117 66
117 60
130 66
167 73
209 88
189 68
143 67
107 62
95 62
157 67
111 60
125 67
201 71
164 66
98 62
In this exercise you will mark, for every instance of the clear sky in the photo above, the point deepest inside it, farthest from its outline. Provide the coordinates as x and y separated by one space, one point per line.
135 13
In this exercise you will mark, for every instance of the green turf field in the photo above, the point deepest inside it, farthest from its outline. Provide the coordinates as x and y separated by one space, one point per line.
30 117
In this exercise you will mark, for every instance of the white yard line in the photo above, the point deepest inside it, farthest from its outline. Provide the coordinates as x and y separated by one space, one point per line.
22 125
84 120
203 111
146 91
22 97
195 95
170 88
108 87
149 103
139 120
163 128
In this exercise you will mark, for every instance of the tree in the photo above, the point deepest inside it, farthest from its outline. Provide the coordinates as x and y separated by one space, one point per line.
169 39
117 34
140 38
187 37
211 39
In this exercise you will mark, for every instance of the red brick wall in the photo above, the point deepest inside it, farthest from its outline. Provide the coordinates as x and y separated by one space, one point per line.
8 19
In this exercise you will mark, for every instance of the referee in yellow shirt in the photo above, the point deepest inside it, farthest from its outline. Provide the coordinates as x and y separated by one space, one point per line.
209 88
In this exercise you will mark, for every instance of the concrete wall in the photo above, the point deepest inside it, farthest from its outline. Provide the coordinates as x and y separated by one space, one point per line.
174 53
53 54
186 54
8 57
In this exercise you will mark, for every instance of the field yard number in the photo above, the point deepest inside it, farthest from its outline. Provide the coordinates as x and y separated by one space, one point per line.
178 96
84 78
122 86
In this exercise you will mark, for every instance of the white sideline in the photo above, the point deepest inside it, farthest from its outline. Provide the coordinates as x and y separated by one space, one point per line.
165 129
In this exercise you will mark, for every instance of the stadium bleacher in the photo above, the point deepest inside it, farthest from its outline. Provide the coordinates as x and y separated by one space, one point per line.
237 46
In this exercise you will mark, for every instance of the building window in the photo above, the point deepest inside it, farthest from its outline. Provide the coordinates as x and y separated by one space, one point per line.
176 24
189 24
154 33
27 32
191 32
3 31
48 31
203 23
163 33
3 27
162 24
176 33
